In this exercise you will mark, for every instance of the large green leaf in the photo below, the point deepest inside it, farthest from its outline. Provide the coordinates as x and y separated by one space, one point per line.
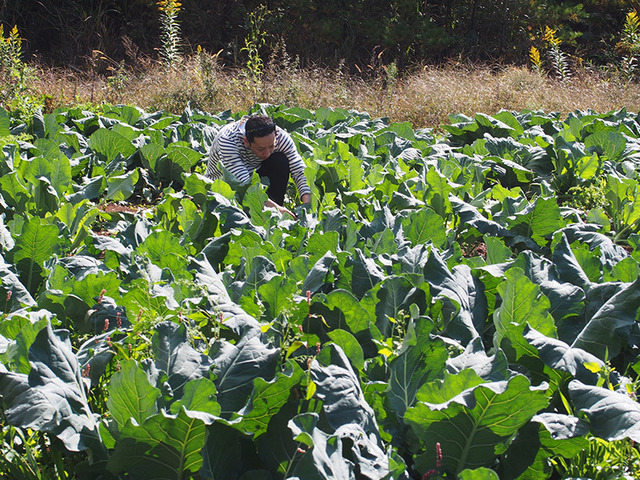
566 264
421 359
324 460
522 304
613 415
199 401
131 396
14 192
350 345
539 220
164 250
470 216
229 312
38 242
77 219
465 305
21 331
471 425
317 277
439 189
163 447
13 294
610 329
121 187
86 289
341 454
237 366
176 357
110 144
560 356
449 386
393 298
340 309
424 226
55 167
46 199
366 273
170 168
338 386
266 400
610 252
556 281
610 145
150 154
277 294
490 368
53 397
254 200
532 158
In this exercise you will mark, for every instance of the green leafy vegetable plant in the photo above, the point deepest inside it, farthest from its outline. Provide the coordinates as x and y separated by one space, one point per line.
442 309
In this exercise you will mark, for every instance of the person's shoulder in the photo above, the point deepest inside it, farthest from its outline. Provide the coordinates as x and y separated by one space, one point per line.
281 132
230 130
232 125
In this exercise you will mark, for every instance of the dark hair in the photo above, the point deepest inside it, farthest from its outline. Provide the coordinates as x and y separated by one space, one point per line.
258 126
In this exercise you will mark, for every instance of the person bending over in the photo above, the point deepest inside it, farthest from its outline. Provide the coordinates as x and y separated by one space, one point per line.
255 143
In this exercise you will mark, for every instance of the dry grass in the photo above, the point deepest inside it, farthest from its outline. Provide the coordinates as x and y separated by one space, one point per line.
425 97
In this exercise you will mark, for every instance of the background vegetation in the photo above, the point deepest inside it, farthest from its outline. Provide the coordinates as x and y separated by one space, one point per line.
416 61
327 33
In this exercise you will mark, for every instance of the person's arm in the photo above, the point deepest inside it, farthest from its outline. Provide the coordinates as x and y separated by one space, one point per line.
270 203
296 165
228 147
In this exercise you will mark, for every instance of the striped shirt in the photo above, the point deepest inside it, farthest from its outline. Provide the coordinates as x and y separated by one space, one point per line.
228 148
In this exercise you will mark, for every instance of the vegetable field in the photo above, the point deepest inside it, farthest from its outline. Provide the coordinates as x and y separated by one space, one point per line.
459 303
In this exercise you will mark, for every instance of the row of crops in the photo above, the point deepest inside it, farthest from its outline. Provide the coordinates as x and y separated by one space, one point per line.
459 303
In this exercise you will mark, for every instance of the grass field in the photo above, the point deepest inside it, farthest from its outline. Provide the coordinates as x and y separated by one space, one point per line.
425 96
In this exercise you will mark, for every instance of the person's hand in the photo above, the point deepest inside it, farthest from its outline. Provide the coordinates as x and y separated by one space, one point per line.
280 208
287 211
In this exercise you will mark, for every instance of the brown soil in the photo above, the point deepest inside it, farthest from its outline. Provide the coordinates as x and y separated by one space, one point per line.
117 208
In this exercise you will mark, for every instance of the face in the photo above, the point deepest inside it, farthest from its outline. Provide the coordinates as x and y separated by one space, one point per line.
262 146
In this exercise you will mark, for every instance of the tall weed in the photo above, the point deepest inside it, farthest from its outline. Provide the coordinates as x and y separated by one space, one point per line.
629 45
16 76
170 32
557 58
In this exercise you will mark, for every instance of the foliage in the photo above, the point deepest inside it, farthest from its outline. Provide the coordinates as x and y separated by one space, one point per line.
536 61
602 460
170 31
207 69
630 44
439 310
15 93
254 41
557 58
409 32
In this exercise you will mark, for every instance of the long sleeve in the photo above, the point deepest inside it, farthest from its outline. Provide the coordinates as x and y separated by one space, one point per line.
227 149
296 164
